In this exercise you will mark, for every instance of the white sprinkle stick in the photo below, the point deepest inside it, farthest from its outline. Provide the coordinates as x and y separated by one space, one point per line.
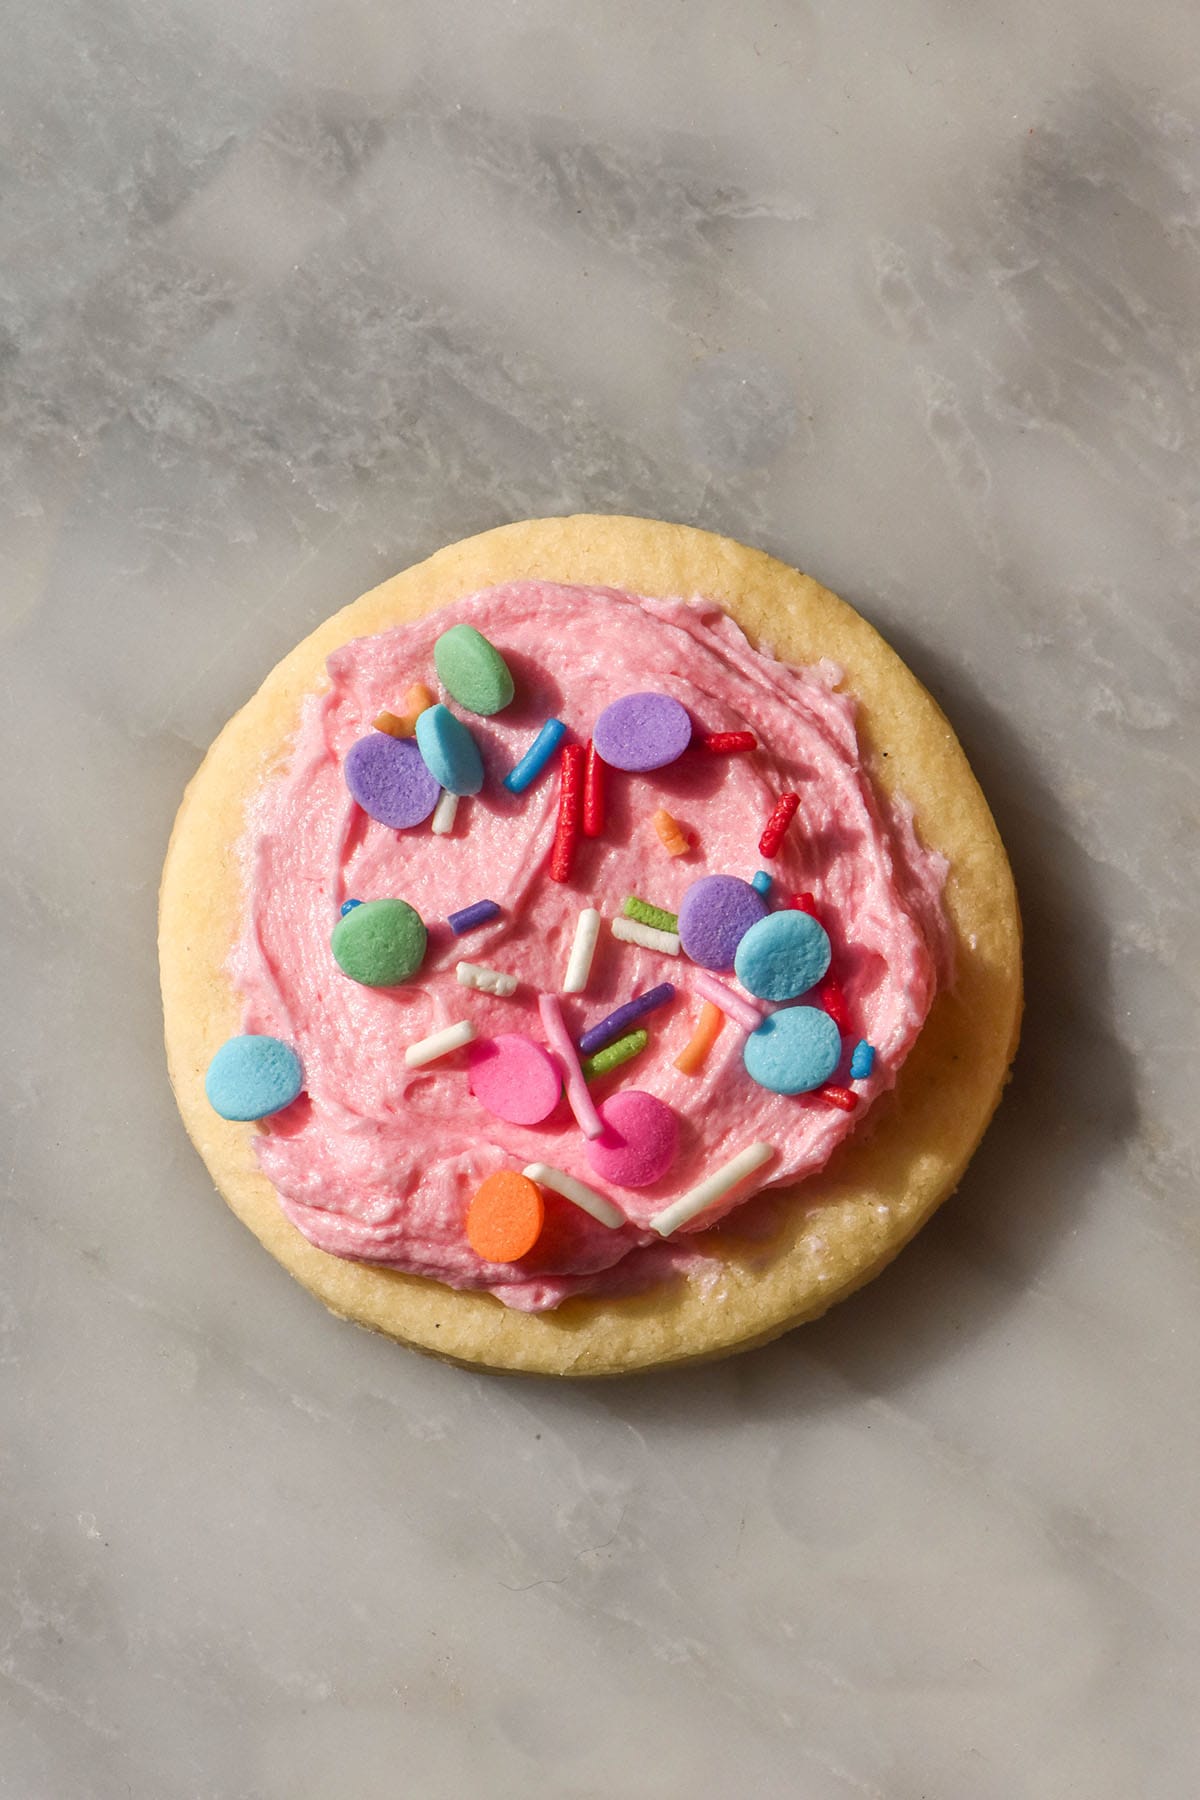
443 814
488 981
440 1043
577 1192
712 1188
578 1098
579 963
630 931
742 1012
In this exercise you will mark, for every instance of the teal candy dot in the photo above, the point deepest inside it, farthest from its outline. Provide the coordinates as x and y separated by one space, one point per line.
450 752
862 1060
782 956
793 1051
253 1076
380 943
472 670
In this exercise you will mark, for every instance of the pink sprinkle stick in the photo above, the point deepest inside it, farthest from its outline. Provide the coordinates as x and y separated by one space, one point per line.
578 1098
732 1005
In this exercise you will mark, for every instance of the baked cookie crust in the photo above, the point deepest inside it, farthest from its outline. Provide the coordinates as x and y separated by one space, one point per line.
833 1231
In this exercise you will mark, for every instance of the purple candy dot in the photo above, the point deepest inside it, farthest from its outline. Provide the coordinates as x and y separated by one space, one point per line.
714 916
642 731
388 778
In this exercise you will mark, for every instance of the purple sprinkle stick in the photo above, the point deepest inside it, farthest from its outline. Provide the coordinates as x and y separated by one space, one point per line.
388 778
469 917
642 731
715 914
617 1023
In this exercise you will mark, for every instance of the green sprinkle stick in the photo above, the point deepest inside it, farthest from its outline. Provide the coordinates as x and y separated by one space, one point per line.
656 917
613 1055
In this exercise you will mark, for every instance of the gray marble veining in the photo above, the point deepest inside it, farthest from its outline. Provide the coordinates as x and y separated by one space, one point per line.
292 294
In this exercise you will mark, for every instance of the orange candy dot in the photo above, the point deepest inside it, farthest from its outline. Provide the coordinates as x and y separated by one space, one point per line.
505 1217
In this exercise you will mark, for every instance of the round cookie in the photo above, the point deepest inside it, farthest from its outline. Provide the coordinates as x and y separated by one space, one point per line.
877 1190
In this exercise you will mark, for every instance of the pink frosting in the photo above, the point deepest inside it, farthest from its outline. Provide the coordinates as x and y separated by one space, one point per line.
379 1162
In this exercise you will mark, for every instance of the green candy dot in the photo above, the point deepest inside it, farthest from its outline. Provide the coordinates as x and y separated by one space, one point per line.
380 943
472 671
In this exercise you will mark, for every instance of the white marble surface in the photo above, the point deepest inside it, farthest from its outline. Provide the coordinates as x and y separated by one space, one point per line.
292 293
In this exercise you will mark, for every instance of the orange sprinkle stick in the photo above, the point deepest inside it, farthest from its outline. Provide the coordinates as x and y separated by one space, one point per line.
708 1030
417 700
505 1217
672 838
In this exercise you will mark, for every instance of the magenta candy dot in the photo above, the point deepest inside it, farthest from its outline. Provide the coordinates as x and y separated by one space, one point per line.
514 1078
642 731
639 1141
715 914
388 778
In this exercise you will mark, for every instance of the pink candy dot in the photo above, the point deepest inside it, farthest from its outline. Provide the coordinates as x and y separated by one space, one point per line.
514 1078
640 1138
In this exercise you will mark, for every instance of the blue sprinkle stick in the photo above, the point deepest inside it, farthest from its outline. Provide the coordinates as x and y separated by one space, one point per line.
526 772
862 1060
468 918
347 906
619 1022
761 883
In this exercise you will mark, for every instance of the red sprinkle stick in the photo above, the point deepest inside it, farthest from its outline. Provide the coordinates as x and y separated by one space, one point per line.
832 998
777 824
570 798
830 993
593 794
839 1096
725 743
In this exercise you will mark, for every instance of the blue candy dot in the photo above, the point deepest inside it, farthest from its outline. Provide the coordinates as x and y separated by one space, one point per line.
862 1060
450 752
793 1051
251 1077
347 906
761 883
782 956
